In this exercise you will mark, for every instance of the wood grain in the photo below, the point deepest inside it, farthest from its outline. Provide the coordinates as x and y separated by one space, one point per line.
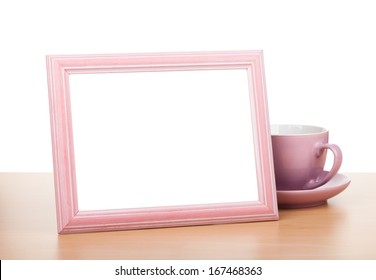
345 228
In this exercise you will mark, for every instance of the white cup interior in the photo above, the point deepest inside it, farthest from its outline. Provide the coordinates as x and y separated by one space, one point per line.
292 129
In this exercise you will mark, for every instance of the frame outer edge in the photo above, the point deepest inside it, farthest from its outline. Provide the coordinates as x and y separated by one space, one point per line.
273 196
64 198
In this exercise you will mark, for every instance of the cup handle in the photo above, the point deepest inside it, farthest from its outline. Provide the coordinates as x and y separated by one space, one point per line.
336 165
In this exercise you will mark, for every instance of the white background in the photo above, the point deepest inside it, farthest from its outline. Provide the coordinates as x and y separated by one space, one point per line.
177 138
319 58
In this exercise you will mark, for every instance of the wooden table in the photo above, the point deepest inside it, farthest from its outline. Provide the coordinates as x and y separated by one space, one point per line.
345 228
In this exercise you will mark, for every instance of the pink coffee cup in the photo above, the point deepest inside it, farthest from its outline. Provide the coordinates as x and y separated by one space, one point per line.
299 154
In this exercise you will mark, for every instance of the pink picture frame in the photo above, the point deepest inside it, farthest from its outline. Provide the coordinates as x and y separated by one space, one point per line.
70 219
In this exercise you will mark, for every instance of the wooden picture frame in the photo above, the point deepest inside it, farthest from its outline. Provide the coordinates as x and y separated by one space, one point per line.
70 219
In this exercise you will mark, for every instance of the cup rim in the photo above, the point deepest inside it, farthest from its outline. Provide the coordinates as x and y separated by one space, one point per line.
301 130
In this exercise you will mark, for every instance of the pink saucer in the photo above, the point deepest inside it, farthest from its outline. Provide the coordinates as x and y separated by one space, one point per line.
314 197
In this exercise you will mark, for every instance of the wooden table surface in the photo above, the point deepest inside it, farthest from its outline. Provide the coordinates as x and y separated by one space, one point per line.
345 228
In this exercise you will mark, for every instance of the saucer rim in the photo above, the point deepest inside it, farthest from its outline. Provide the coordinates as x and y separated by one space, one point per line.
328 185
325 192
